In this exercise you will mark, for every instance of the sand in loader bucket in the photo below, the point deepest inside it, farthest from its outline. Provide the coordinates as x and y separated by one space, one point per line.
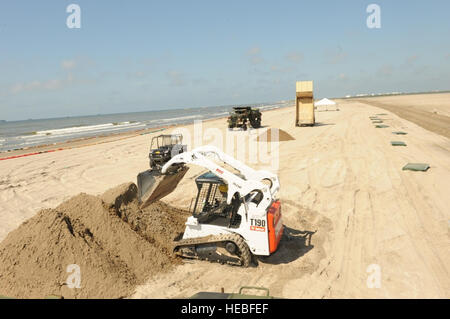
153 185
101 246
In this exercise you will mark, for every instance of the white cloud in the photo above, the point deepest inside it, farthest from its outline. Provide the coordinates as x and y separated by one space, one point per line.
19 87
255 55
68 64
335 56
276 68
137 74
176 78
385 70
254 51
295 57
256 60
52 84
412 59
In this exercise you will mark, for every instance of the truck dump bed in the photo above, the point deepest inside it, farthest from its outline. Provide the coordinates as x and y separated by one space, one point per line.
304 103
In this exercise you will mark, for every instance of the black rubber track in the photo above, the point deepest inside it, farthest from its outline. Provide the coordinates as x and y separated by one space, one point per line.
243 256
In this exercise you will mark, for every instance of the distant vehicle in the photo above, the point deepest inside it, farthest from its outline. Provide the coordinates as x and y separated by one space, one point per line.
242 116
163 148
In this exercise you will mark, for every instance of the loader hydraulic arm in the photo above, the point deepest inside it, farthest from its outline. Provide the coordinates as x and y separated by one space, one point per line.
248 172
251 182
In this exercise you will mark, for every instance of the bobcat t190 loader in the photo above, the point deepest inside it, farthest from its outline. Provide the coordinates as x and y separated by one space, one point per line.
235 214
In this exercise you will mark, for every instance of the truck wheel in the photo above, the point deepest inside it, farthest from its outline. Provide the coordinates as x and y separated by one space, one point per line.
255 120
256 124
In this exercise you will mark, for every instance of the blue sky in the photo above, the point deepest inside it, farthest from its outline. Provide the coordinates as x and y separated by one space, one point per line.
147 55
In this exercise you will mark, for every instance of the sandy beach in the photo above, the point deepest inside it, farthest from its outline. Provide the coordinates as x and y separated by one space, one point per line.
343 192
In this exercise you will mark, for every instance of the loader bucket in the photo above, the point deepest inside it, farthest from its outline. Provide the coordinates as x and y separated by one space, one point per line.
152 185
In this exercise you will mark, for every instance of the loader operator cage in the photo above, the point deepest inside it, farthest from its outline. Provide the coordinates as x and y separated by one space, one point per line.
211 205
166 140
211 193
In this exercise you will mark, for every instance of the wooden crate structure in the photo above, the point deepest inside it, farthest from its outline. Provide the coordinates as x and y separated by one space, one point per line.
304 103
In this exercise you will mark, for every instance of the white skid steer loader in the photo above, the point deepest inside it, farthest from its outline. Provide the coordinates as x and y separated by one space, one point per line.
235 214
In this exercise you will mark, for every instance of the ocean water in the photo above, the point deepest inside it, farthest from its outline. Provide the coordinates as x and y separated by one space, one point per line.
23 134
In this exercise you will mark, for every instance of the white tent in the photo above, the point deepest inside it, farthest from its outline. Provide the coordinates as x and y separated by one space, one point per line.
325 103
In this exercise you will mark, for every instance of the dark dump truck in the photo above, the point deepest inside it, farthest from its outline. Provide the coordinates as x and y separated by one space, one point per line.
243 116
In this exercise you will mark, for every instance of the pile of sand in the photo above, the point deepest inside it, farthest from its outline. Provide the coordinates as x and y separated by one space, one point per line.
271 136
116 245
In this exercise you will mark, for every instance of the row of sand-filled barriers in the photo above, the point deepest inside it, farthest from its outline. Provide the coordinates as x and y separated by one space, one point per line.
379 123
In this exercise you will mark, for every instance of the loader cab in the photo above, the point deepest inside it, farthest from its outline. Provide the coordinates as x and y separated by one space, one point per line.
211 206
